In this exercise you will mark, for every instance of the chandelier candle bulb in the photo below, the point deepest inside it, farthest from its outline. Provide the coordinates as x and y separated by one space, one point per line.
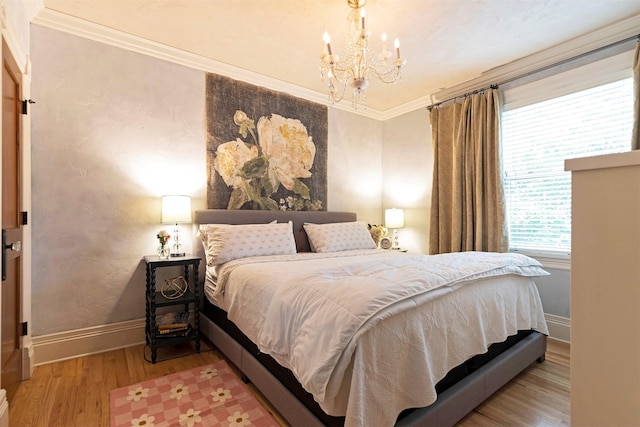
327 40
363 14
396 43
385 54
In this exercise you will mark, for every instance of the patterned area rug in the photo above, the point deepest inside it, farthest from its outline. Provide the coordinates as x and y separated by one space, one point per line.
210 395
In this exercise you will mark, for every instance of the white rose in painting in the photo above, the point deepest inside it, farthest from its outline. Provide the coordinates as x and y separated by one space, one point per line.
288 147
240 117
282 152
230 157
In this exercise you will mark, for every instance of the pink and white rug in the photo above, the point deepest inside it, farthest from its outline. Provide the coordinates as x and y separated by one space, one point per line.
210 395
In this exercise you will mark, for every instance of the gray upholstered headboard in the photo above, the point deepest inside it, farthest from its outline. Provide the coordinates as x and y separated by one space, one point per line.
235 217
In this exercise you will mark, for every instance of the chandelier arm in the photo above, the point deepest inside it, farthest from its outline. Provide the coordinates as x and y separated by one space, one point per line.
386 76
336 82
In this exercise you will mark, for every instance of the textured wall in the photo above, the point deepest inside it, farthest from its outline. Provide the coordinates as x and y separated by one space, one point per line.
112 131
407 169
354 174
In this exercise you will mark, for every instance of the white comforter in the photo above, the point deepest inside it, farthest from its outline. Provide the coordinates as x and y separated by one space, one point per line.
315 314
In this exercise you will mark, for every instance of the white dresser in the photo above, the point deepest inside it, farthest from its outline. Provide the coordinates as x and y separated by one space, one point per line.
605 290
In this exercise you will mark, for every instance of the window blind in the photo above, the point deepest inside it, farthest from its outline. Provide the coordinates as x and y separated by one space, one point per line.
538 138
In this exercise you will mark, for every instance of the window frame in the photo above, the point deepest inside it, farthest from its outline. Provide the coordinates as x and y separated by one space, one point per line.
521 94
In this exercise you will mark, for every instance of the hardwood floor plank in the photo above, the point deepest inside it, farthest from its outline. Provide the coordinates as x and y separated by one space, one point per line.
75 393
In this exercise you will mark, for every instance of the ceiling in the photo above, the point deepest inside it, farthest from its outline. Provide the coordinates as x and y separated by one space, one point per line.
445 42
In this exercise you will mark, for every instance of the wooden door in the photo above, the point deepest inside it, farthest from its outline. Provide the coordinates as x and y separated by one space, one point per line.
11 360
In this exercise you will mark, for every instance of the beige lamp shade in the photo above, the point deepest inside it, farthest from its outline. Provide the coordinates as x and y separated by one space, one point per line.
176 209
394 218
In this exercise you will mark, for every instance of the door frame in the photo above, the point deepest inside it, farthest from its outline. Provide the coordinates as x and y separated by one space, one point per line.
8 39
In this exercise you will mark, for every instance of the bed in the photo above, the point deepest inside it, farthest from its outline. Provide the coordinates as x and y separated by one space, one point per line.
411 356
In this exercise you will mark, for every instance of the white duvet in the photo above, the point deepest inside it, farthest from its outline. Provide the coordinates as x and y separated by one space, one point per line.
370 333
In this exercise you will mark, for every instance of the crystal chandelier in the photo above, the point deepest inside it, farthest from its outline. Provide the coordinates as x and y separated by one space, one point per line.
355 67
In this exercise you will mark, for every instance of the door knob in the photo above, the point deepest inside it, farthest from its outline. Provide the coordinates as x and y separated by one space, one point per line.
15 246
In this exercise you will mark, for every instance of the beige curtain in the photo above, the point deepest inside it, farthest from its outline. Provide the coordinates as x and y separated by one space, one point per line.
467 201
635 138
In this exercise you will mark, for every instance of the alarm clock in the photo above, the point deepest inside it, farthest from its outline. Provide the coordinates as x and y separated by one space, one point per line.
386 243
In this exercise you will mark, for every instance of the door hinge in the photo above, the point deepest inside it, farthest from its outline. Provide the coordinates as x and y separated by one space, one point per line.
25 102
25 217
25 328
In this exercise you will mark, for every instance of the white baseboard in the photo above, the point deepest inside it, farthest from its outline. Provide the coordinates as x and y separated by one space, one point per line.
98 339
27 361
559 327
87 341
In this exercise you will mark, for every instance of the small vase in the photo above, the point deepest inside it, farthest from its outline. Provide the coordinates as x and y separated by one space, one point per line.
163 251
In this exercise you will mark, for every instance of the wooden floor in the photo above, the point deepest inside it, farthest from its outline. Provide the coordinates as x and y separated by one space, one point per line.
75 393
539 396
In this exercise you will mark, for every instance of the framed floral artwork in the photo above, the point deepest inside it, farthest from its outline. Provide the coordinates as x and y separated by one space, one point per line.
265 149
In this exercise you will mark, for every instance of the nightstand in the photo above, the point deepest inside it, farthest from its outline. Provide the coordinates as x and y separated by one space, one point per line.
155 299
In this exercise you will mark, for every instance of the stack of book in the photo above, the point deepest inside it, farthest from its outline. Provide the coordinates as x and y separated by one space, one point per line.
171 325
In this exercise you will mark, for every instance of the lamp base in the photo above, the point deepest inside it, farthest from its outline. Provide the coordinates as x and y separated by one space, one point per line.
177 255
395 239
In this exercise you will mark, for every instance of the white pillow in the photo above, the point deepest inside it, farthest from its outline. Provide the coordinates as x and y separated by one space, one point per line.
205 231
339 236
223 243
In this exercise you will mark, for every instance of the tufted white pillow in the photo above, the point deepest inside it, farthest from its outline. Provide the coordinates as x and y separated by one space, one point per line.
224 243
339 236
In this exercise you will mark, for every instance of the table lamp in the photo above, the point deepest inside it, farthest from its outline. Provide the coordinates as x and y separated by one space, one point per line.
176 210
394 218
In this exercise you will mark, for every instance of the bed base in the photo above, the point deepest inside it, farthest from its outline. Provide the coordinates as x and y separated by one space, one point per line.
452 404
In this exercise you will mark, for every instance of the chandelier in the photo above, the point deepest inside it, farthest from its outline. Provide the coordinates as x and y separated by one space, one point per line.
355 68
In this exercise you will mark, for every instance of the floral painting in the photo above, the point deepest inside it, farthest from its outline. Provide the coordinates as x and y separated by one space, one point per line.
265 150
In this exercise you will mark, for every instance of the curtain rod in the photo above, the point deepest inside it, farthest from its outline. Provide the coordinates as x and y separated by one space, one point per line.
536 71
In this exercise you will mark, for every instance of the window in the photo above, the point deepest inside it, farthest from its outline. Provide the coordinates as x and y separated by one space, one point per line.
537 138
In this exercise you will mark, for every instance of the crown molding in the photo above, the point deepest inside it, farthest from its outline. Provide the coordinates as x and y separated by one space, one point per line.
33 7
72 25
422 102
594 40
